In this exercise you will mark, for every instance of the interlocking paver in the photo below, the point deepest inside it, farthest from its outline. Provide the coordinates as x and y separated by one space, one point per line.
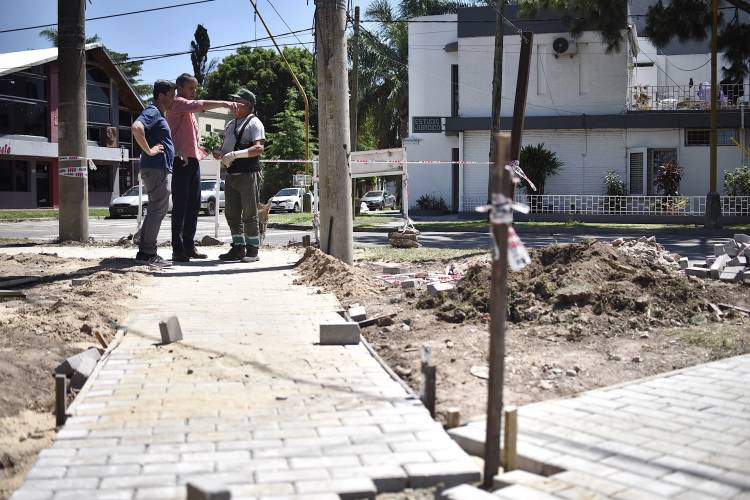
246 398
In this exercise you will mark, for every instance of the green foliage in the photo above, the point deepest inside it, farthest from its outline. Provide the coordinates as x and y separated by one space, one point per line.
211 142
614 185
263 71
432 203
668 177
286 143
737 182
199 54
665 21
539 164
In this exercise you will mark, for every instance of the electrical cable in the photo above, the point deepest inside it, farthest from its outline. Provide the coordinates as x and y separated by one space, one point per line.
285 23
109 16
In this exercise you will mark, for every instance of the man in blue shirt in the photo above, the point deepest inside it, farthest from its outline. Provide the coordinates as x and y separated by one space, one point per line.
151 132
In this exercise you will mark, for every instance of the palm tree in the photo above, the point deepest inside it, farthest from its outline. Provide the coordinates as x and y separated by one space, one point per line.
384 59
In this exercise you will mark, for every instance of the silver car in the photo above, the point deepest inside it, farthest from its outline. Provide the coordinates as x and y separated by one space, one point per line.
127 204
208 197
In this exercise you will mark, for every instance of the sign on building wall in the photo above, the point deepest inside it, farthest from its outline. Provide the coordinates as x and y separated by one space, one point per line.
427 124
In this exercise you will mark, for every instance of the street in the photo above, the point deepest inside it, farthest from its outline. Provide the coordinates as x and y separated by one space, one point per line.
694 245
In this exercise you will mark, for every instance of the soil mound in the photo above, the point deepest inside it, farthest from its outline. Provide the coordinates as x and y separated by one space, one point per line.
590 287
332 275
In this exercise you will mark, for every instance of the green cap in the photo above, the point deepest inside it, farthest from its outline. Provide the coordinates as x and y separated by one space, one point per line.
243 94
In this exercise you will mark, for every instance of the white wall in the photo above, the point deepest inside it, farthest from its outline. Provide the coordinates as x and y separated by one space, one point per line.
430 95
693 159
435 180
591 82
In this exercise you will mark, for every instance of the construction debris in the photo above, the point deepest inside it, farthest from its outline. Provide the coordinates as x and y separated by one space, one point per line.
210 241
406 237
79 368
730 262
170 330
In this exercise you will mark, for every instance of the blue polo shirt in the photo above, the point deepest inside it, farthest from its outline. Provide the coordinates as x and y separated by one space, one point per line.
157 132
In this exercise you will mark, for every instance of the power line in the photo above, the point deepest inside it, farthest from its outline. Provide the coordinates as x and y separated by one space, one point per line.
11 30
285 23
218 48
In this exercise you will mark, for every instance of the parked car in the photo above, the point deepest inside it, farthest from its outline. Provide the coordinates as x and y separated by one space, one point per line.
288 200
379 200
127 204
208 197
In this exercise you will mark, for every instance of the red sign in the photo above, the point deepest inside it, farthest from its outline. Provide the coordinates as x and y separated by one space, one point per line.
5 150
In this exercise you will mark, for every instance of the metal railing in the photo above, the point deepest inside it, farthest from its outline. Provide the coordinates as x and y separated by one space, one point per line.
622 205
696 97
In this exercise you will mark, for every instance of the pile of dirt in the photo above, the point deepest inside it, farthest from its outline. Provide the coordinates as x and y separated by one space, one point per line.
332 275
53 321
590 287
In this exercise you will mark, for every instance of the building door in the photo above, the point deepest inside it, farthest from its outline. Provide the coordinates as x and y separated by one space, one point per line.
637 165
43 195
455 179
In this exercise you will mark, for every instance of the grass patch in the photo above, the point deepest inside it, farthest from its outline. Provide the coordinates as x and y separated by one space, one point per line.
723 341
305 219
390 254
42 213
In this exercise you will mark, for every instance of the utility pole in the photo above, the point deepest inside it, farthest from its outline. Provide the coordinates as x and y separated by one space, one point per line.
73 164
354 100
713 201
333 127
507 150
497 90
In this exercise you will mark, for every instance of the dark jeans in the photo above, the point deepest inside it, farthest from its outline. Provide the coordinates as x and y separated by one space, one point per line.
186 202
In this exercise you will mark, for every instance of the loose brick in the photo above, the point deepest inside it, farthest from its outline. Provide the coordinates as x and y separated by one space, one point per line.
205 490
387 478
341 333
467 492
448 474
170 330
436 289
357 313
355 488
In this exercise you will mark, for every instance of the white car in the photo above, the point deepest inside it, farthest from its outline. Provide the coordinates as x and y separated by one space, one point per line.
208 197
127 204
288 200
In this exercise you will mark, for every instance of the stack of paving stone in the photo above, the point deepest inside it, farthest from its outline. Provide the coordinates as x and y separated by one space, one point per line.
730 262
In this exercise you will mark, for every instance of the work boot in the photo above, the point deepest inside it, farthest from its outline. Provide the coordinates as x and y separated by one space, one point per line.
237 252
193 253
251 253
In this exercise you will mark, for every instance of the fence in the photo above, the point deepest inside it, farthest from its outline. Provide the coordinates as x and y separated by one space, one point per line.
696 97
669 206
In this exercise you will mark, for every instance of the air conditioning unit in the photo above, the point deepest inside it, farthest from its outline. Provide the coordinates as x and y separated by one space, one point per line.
108 137
563 46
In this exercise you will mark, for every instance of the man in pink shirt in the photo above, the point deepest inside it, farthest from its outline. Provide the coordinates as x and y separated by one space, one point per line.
186 176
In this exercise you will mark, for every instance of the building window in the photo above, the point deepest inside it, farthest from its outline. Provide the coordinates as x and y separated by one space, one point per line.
208 127
25 86
98 93
14 175
454 90
100 180
126 119
99 114
96 75
658 157
702 137
23 118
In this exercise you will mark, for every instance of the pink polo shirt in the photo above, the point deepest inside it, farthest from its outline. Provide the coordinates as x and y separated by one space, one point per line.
184 128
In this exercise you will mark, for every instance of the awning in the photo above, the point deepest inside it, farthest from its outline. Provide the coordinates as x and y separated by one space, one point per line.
43 149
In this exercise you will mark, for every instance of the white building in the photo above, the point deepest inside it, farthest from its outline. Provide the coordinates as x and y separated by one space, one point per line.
628 110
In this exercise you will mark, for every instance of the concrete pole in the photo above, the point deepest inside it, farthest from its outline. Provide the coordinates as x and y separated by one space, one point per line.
333 126
353 100
74 193
713 200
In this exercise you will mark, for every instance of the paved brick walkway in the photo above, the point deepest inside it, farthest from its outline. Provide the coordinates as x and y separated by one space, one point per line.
247 400
684 435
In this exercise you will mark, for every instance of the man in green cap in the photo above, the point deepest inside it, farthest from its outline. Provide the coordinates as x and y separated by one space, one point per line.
244 138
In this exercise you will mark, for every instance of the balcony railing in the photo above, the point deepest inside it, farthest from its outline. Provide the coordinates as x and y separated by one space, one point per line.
688 98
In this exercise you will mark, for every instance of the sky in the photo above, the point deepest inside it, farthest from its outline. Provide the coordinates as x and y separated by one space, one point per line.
166 31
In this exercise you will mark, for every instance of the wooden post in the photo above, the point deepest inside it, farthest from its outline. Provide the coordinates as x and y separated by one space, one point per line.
507 148
497 91
510 440
61 403
427 394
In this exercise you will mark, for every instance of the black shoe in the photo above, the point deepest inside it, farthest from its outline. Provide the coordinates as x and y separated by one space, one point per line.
237 252
251 253
143 257
180 257
193 254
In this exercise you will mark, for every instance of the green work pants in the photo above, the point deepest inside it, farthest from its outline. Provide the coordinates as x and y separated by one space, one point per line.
241 208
